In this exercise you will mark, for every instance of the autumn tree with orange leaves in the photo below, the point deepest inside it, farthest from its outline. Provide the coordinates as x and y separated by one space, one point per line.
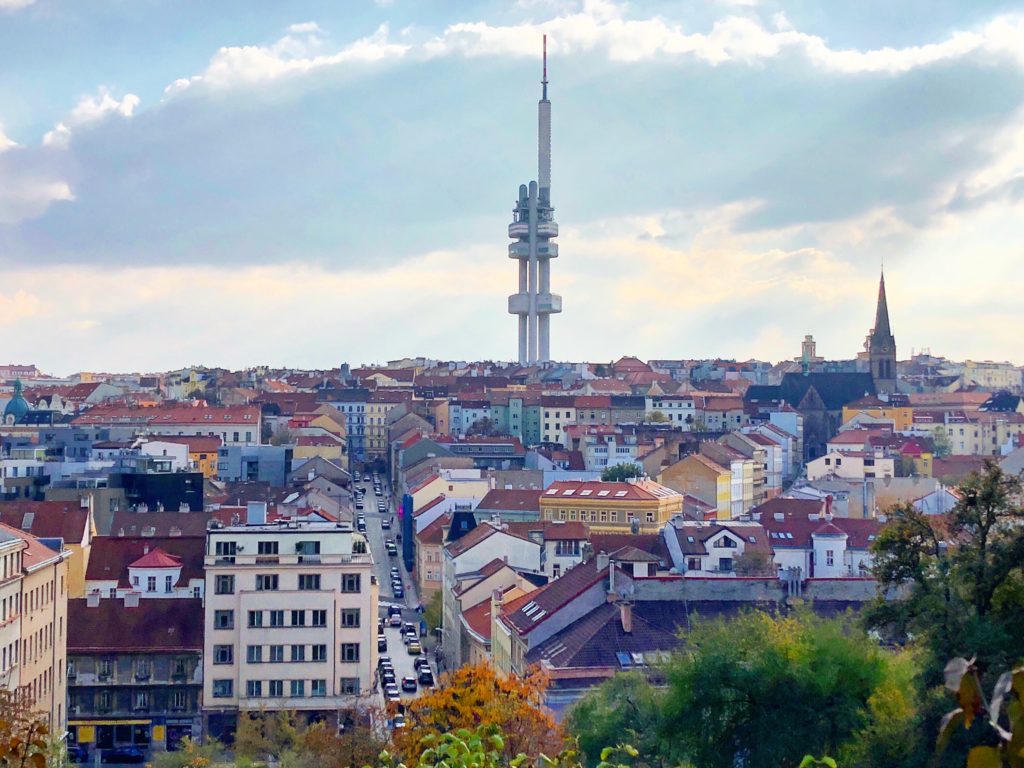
474 696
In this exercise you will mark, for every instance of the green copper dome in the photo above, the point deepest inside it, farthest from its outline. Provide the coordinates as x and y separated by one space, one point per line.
17 406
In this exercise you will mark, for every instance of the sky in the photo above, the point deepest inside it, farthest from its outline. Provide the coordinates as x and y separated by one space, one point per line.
304 183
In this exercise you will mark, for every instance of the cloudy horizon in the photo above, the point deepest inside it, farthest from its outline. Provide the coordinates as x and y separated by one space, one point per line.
183 183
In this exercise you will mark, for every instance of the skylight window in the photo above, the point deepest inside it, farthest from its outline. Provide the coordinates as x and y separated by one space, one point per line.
586 492
752 539
551 491
539 615
567 492
690 539
602 493
620 494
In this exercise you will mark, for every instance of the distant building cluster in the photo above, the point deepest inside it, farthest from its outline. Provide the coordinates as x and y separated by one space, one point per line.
180 548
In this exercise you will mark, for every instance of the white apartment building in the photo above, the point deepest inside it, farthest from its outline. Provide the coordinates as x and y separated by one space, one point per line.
290 618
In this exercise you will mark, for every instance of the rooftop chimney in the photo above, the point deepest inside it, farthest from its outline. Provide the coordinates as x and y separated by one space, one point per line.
145 549
131 599
256 513
602 560
626 616
92 600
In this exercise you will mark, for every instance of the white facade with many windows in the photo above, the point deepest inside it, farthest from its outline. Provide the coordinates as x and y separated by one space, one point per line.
291 615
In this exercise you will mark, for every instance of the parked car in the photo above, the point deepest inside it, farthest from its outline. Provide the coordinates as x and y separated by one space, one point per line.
409 684
414 648
388 677
395 620
383 660
78 754
125 754
420 662
398 722
382 643
394 608
398 592
391 693
385 524
426 677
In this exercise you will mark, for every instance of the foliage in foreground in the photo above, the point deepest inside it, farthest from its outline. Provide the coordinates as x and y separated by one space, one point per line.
24 741
762 691
475 696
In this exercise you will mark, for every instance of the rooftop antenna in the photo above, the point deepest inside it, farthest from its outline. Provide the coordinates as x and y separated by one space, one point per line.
544 82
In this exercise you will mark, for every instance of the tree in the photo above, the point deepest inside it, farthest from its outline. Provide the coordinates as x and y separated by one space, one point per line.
943 445
472 696
321 747
657 417
765 691
618 473
267 736
754 562
24 734
433 611
190 754
283 436
482 426
625 709
955 581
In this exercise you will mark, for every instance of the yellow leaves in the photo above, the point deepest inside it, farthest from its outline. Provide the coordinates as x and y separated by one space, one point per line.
984 757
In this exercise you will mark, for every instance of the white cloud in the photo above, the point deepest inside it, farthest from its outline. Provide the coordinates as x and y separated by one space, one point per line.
6 142
295 53
27 198
14 5
90 109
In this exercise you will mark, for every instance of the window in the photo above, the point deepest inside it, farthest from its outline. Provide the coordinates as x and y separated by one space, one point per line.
255 618
223 654
725 564
298 618
319 687
350 582
298 689
223 619
350 617
349 652
179 668
151 583
309 581
319 653
266 582
225 551
142 669
276 654
829 557
106 668
276 688
298 653
308 551
319 619
178 699
105 699
142 701
224 585
693 563
266 548
254 688
726 543
254 654
350 685
277 618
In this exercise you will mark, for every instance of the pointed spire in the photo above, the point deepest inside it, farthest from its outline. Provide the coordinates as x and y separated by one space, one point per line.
882 329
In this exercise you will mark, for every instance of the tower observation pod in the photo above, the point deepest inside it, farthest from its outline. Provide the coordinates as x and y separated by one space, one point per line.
532 231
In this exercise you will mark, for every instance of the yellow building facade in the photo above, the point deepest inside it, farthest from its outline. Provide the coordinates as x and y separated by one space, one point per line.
612 507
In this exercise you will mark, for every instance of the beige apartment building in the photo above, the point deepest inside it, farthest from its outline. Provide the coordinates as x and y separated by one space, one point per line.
290 620
33 638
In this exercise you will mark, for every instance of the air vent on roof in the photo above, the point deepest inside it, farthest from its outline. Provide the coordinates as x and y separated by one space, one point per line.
779 517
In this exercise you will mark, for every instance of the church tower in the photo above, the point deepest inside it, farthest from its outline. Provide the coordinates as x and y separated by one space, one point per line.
882 346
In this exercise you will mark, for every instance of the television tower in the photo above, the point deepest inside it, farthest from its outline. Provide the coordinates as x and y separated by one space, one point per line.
532 230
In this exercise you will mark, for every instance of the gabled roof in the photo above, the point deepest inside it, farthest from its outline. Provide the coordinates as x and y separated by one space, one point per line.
554 595
126 523
482 532
35 553
693 538
156 558
155 626
433 534
602 492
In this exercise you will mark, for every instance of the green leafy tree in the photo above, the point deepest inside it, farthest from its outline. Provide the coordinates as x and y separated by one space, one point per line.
618 473
955 582
943 445
190 754
765 691
657 417
433 611
624 709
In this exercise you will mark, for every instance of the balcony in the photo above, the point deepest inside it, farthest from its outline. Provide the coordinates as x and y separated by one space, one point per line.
258 560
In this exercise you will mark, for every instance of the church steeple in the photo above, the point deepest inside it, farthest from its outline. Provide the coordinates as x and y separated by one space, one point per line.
882 346
881 329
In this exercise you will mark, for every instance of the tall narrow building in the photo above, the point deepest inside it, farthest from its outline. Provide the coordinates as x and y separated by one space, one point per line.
882 346
532 230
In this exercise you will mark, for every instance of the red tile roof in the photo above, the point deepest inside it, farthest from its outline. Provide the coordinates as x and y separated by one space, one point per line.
36 553
195 443
598 491
111 556
155 626
237 415
501 500
156 558
50 519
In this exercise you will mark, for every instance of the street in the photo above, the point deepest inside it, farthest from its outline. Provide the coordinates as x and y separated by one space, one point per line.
402 660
